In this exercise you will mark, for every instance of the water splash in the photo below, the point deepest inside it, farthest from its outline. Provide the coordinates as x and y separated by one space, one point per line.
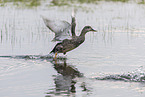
137 75
35 57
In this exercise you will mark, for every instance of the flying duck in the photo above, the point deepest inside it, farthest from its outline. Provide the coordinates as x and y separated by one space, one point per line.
70 44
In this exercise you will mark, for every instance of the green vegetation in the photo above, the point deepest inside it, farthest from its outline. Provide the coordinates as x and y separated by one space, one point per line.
142 2
69 2
118 0
35 3
27 3
1 36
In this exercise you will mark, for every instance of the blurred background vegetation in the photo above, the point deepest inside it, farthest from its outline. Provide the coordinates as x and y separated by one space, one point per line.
28 3
35 3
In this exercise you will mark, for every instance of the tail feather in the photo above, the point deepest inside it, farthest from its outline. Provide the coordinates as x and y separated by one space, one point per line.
54 49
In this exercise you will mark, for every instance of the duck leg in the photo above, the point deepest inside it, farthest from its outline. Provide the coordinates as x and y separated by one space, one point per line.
55 61
55 56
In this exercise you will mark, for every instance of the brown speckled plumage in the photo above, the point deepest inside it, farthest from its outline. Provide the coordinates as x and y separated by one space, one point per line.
70 44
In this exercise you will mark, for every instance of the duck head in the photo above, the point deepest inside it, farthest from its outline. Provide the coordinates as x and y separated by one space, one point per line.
87 29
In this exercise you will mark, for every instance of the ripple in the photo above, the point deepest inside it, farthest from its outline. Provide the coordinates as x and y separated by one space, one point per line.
12 66
137 75
36 57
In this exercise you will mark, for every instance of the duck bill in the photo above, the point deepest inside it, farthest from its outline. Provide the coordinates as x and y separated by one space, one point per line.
94 30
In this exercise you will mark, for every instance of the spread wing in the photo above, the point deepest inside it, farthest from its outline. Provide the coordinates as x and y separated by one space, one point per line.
57 26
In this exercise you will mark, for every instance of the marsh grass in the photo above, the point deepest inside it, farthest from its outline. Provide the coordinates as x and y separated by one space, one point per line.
24 3
142 2
1 36
15 24
117 0
35 3
70 2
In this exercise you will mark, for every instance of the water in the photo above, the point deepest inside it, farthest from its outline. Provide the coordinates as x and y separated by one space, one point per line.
109 62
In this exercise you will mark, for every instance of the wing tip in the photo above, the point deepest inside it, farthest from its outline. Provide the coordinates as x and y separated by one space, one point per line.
73 12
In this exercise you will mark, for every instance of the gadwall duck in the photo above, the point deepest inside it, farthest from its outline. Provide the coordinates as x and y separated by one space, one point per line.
70 44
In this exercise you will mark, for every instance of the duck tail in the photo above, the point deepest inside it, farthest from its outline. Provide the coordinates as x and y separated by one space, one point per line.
53 51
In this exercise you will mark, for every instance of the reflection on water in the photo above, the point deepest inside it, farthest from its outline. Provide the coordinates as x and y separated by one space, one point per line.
117 47
64 80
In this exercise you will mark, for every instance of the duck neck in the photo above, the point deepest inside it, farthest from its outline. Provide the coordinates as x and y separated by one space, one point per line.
83 33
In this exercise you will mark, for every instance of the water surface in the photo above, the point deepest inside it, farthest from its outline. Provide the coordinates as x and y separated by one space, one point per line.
109 62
